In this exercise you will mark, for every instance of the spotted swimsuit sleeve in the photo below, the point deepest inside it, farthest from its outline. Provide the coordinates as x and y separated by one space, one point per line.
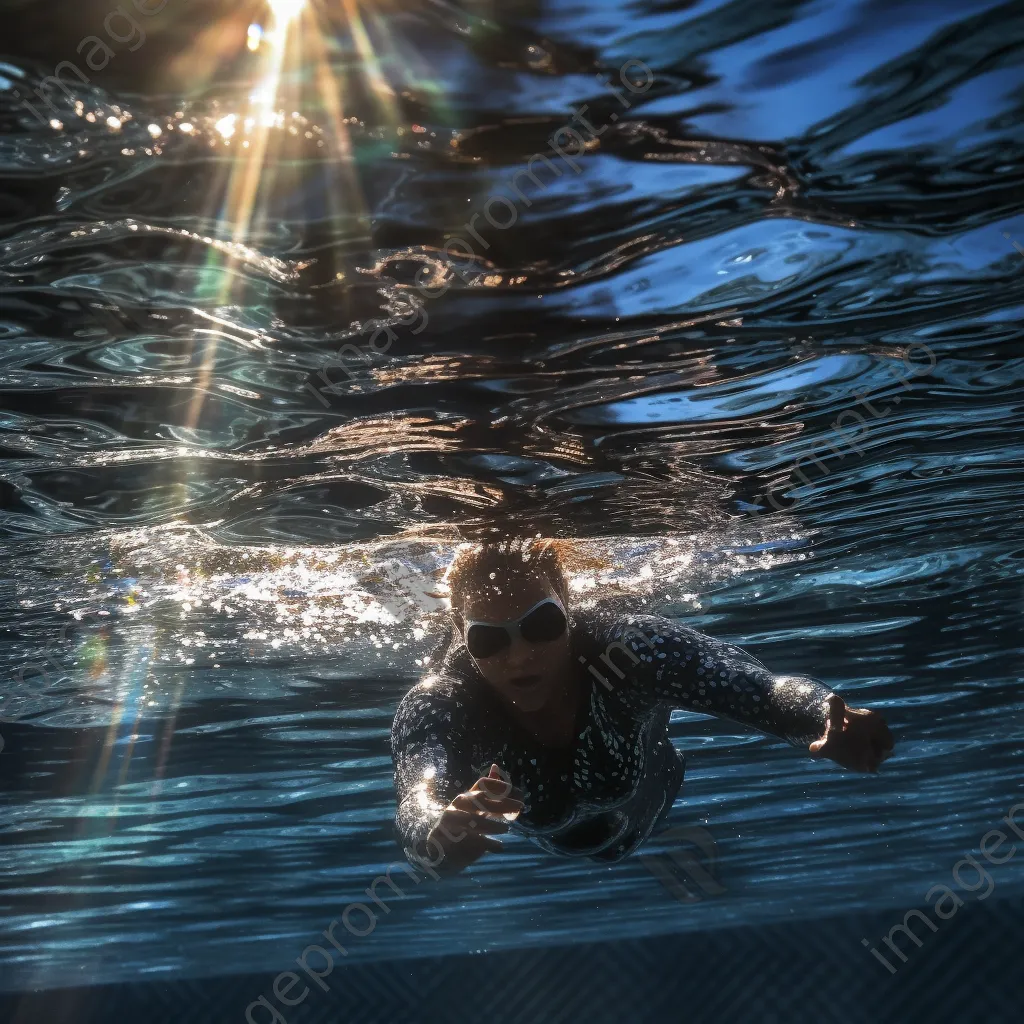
699 673
431 768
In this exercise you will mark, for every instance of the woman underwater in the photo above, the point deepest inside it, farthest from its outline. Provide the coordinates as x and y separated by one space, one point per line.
556 724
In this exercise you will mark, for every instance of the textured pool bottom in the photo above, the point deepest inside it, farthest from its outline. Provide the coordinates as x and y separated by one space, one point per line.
806 971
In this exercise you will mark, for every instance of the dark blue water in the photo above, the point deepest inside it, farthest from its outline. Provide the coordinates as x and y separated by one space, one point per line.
755 347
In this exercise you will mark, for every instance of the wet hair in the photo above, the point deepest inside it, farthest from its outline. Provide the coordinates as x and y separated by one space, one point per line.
477 568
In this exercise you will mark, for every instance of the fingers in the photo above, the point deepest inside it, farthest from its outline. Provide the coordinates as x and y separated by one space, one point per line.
837 711
487 826
474 817
480 813
491 795
876 744
856 738
881 746
504 810
487 804
497 787
458 818
886 737
869 760
465 837
488 796
495 794
876 733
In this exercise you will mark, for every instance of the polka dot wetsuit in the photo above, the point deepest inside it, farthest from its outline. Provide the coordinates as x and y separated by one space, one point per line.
603 795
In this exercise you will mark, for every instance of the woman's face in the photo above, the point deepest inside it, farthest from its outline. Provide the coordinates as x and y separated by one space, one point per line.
526 674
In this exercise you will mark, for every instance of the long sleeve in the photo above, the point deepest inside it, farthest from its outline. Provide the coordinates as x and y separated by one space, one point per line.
689 670
430 758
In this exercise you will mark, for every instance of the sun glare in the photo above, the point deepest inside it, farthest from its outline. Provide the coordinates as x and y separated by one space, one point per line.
250 174
285 11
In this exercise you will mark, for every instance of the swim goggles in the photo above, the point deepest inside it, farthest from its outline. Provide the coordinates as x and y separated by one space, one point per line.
543 622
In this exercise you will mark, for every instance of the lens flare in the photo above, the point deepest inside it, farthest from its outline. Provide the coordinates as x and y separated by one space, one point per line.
285 11
248 173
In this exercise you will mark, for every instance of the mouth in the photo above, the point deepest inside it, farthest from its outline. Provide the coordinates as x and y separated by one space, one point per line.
524 682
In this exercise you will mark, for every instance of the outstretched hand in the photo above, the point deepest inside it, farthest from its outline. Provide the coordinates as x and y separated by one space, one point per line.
855 738
469 823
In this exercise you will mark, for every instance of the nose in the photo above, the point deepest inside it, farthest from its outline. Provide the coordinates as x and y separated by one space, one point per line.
520 652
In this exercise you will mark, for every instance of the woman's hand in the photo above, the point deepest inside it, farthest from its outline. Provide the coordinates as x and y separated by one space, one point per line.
468 824
855 738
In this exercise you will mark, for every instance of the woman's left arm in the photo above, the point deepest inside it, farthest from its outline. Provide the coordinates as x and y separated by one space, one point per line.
676 664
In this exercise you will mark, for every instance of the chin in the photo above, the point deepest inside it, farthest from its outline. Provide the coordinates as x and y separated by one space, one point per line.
532 698
528 702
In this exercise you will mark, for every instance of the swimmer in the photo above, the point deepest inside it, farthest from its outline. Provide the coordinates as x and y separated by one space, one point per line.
554 723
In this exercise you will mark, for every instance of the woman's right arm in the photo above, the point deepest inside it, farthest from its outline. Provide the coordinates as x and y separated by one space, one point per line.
446 816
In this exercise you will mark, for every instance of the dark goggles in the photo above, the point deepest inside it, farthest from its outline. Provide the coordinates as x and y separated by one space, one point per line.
541 624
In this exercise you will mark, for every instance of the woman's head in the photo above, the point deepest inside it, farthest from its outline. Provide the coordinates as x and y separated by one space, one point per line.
510 604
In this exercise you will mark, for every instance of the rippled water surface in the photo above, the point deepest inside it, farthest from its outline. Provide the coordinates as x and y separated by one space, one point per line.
755 346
